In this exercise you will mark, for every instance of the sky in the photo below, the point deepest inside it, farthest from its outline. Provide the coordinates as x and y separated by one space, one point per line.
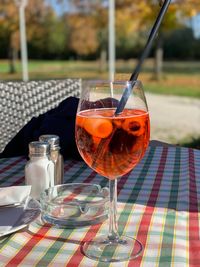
195 23
59 8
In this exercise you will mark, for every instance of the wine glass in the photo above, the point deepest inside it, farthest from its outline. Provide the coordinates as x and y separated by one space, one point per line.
112 144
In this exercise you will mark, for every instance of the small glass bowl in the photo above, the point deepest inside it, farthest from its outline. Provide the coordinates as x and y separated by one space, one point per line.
74 205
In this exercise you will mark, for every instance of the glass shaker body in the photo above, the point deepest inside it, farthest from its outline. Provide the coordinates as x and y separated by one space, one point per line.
57 158
39 170
55 155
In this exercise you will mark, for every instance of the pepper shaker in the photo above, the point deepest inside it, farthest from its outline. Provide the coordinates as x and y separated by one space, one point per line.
55 155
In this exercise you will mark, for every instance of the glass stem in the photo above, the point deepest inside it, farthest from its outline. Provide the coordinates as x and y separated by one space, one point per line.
113 227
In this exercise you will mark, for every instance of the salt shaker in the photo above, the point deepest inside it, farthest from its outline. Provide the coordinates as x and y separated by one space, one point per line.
55 155
39 170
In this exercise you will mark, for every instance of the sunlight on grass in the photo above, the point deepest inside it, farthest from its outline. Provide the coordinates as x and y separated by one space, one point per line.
179 78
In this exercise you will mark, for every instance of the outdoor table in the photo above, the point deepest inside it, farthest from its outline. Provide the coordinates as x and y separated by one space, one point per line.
158 203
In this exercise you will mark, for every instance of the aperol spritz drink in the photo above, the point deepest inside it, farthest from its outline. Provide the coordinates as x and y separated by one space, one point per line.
112 143
126 139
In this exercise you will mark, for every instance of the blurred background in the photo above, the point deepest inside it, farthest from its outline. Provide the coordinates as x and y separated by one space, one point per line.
95 39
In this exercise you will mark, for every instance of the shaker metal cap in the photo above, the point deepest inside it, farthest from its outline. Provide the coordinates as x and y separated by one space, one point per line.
37 148
52 139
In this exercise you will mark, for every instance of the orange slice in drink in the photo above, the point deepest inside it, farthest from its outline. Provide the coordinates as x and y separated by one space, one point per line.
134 126
101 128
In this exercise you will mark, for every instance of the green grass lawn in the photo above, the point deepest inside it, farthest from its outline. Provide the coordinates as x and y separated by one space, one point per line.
179 78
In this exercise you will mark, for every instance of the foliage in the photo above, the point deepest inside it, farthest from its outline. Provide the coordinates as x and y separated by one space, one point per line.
84 32
83 35
8 18
45 31
9 25
173 44
194 143
133 20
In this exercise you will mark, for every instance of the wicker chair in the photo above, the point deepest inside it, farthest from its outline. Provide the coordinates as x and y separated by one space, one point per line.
20 101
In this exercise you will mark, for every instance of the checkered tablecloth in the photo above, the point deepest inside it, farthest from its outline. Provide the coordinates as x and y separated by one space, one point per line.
158 203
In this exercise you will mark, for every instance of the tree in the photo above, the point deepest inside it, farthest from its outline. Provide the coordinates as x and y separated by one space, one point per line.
83 35
87 23
9 30
45 31
178 13
173 44
130 26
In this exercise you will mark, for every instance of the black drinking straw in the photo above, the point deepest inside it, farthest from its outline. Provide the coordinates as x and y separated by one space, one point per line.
134 76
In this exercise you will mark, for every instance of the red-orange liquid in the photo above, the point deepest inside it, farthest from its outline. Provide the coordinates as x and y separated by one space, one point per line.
111 145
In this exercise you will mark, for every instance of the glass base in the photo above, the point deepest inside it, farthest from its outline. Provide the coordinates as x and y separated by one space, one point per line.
105 250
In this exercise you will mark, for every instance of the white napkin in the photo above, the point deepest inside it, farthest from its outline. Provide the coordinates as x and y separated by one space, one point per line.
9 218
14 194
12 217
